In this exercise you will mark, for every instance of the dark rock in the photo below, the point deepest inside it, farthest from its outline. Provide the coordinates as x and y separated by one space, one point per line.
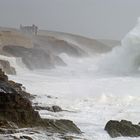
48 96
122 128
72 138
40 107
5 66
7 124
51 97
7 131
56 108
26 137
14 137
67 138
60 126
20 89
52 108
16 111
15 108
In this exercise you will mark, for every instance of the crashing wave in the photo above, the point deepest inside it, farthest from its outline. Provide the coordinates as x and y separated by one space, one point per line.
125 58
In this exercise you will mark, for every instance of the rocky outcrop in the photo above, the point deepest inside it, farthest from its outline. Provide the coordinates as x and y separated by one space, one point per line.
53 108
33 58
16 111
7 124
59 126
20 89
15 108
26 138
5 66
122 128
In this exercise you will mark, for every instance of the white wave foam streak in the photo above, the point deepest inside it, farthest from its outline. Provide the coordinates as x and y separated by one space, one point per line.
125 58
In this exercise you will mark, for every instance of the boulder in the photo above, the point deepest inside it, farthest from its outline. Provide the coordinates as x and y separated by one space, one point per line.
122 128
60 126
56 108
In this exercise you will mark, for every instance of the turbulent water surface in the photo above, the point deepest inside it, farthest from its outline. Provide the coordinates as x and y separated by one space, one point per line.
93 90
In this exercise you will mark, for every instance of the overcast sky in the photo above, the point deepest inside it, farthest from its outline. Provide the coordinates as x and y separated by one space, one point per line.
92 18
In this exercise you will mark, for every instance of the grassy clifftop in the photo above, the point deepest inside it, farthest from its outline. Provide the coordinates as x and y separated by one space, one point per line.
14 38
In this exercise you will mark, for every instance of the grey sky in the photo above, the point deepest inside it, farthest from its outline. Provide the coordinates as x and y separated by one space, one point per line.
92 18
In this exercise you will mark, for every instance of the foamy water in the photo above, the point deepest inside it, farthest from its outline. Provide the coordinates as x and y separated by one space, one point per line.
91 97
94 90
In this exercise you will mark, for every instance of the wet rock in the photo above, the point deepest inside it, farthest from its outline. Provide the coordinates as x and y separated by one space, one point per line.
15 108
60 126
14 137
122 128
72 138
51 97
7 131
68 138
56 108
52 108
7 124
20 89
16 111
48 96
26 137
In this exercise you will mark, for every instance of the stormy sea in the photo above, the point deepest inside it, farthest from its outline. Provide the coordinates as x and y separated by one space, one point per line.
91 90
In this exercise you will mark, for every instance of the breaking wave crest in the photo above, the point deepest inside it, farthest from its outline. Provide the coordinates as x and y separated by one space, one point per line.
124 59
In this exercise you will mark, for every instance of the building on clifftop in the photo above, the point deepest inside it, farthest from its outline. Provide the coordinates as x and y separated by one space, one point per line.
32 30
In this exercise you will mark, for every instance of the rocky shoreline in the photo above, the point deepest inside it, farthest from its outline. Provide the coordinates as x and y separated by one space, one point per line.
16 111
122 128
17 114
